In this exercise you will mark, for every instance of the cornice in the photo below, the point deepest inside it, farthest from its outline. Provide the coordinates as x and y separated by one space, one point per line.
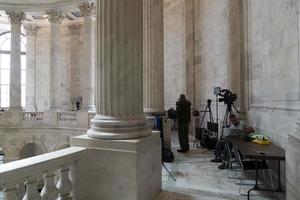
40 5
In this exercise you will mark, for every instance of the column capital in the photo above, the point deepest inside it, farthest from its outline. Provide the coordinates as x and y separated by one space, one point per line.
55 16
75 29
87 8
30 30
15 17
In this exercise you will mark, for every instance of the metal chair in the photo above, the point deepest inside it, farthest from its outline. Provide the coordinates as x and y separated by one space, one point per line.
229 160
247 165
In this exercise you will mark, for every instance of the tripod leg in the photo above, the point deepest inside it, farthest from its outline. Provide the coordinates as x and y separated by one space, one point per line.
168 171
203 116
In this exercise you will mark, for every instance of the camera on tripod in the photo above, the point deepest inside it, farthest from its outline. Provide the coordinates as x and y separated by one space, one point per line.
227 96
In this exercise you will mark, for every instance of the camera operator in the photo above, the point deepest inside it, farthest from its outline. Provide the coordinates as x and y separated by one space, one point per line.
231 131
183 109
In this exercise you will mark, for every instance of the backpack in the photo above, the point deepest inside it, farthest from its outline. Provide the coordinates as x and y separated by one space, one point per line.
167 155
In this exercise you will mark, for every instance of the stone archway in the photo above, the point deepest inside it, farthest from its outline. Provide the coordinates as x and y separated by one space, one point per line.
30 150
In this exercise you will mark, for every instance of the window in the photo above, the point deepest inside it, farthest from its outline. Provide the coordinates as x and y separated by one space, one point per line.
5 40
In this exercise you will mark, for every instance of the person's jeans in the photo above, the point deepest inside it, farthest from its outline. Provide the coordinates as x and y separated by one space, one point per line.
220 149
183 136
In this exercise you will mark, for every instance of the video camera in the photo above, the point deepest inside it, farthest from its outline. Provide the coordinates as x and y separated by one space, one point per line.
227 96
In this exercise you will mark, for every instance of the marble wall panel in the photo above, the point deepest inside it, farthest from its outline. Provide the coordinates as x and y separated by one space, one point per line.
274 67
273 44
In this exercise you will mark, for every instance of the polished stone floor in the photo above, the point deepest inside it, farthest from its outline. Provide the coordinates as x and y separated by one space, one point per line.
200 179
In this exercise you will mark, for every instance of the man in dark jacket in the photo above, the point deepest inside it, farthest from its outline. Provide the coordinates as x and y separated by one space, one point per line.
183 110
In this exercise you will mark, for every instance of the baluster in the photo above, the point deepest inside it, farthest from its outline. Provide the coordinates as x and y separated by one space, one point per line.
21 191
49 191
10 191
64 184
31 190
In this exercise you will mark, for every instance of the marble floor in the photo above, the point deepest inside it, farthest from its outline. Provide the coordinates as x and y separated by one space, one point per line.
200 179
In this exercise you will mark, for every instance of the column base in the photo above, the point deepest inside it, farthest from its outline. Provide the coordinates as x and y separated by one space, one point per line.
114 128
151 111
122 169
89 108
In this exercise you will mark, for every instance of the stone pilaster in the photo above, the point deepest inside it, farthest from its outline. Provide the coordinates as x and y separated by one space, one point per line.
88 65
153 57
119 71
243 27
55 17
75 60
30 67
16 19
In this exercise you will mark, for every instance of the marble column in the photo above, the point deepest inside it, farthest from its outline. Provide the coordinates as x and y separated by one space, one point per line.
243 27
87 66
75 58
119 71
55 17
153 57
30 68
189 51
16 19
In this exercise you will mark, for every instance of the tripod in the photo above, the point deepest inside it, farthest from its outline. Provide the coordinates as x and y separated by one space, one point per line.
228 112
159 126
211 119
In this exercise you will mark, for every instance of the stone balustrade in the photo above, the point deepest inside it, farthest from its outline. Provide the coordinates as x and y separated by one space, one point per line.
90 117
32 116
71 119
69 116
49 176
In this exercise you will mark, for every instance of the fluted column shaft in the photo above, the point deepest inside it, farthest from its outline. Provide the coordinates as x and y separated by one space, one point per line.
153 57
119 82
30 68
75 58
87 67
16 19
55 18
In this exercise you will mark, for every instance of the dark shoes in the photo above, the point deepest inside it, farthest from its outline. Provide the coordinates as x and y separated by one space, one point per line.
223 166
217 160
181 151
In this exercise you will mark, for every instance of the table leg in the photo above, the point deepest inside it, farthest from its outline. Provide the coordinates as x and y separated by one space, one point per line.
256 180
279 177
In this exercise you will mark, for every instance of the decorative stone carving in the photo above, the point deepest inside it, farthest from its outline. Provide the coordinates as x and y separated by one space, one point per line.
75 29
87 8
30 30
15 17
55 16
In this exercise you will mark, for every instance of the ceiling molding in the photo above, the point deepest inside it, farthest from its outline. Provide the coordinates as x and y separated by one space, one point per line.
65 5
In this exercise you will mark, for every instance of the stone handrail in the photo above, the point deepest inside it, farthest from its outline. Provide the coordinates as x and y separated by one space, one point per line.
19 179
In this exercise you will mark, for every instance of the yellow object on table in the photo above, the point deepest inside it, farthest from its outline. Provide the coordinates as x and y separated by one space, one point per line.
262 141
